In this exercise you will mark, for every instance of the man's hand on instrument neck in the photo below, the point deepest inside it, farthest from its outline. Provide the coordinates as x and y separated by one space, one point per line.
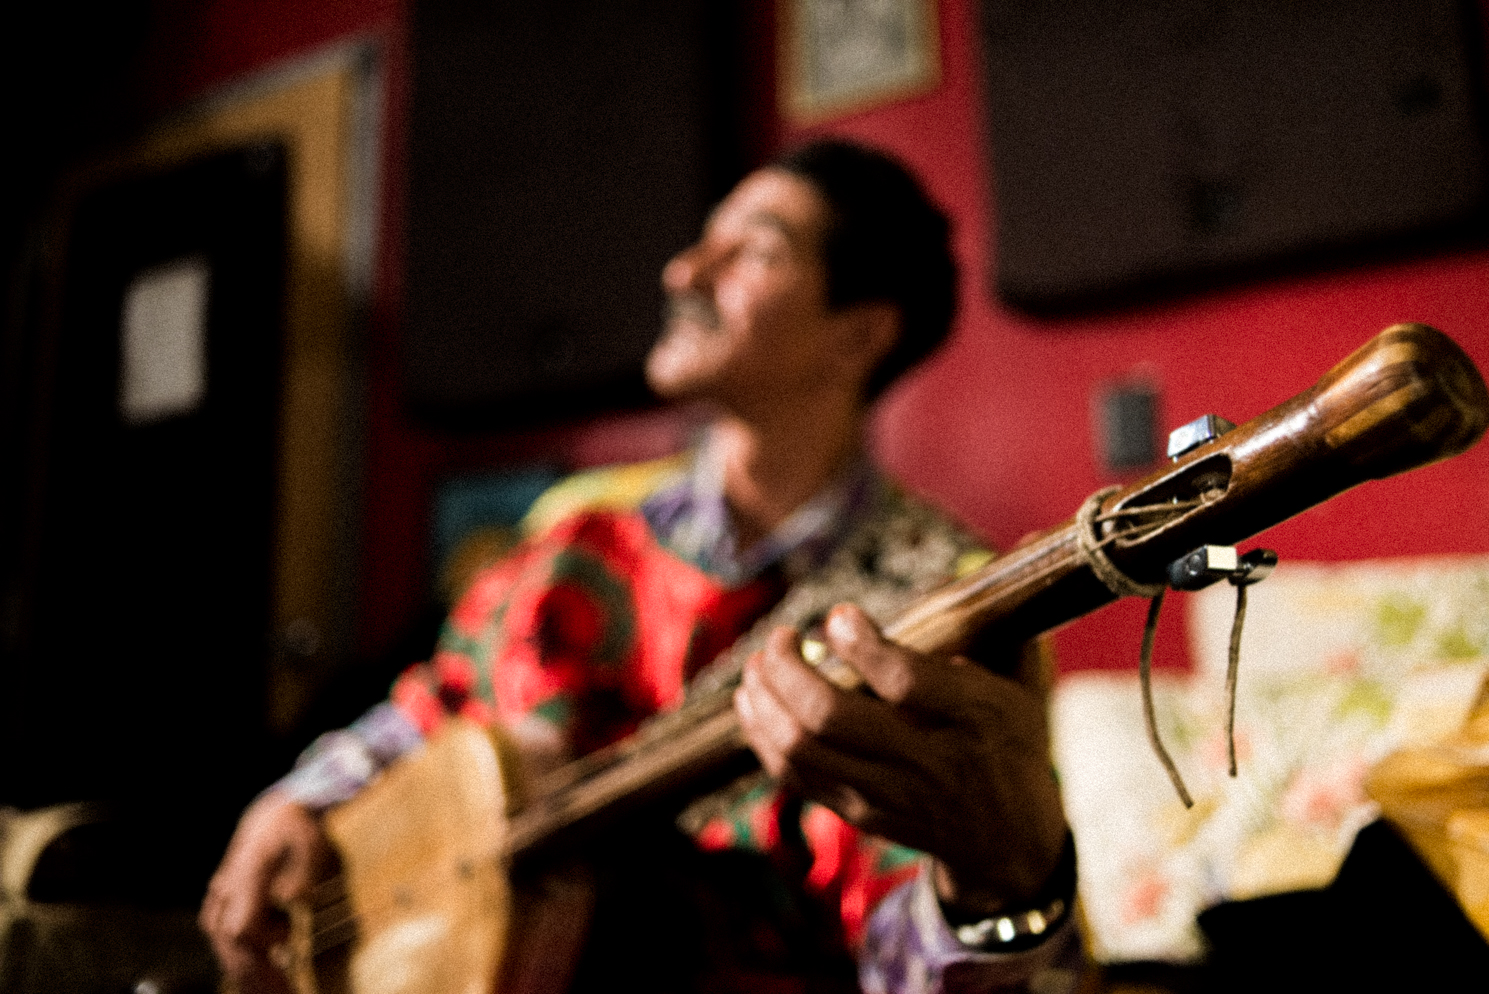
949 758
277 853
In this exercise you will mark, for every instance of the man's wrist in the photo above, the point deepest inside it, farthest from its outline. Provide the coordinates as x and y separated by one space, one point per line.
988 885
1013 926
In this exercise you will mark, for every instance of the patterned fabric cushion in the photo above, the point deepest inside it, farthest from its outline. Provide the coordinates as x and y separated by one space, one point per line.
1340 665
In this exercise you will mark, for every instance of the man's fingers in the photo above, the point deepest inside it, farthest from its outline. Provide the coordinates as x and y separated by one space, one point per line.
236 938
856 787
854 721
237 913
759 717
896 674
206 919
292 879
772 724
247 921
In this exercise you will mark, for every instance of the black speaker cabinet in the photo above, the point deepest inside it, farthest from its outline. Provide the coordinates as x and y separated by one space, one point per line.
1137 147
560 153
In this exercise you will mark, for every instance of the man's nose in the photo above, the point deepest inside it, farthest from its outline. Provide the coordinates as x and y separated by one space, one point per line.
689 270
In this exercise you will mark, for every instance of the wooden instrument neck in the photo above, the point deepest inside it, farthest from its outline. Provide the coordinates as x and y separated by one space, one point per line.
1407 397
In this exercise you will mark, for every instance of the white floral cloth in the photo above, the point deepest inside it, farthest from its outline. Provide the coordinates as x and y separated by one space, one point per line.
1340 665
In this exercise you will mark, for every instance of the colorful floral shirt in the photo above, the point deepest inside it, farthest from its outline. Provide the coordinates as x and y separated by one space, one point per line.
598 621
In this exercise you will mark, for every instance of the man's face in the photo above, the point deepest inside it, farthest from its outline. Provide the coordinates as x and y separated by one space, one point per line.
747 318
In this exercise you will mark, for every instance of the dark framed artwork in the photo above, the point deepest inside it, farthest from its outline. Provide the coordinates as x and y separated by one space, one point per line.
558 156
1147 149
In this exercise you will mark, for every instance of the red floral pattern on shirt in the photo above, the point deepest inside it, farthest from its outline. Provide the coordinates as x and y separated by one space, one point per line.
594 626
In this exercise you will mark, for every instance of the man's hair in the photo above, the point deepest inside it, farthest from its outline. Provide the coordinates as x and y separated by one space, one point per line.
885 241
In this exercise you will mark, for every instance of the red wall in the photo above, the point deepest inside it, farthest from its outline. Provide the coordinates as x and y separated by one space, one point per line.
997 429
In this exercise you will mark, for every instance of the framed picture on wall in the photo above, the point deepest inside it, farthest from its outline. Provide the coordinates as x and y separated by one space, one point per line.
837 56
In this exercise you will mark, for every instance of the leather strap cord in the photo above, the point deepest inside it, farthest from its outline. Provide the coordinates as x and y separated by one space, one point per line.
1089 520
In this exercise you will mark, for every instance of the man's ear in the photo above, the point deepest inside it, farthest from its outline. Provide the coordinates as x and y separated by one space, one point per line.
871 331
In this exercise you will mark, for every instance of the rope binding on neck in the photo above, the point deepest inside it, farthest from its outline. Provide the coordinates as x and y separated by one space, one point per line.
1139 522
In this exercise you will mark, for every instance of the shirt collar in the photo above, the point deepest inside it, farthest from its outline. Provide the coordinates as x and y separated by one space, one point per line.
690 516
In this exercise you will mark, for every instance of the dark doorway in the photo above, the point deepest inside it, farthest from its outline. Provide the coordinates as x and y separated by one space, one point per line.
135 666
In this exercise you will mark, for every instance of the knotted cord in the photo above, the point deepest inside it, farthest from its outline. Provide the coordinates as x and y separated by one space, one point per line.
1141 522
1094 548
1233 664
1145 668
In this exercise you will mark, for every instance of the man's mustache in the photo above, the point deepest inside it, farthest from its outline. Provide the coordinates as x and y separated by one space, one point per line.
694 307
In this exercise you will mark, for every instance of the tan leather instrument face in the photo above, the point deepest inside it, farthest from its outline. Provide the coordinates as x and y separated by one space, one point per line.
424 903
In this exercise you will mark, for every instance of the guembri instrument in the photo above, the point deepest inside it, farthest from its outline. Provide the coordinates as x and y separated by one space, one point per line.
423 901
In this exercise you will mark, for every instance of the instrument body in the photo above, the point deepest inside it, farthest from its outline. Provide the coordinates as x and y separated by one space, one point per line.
423 903
1407 398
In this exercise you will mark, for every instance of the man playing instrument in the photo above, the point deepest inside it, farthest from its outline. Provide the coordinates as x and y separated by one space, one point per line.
931 819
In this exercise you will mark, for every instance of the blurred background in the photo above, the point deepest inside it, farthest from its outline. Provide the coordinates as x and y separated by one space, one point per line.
306 301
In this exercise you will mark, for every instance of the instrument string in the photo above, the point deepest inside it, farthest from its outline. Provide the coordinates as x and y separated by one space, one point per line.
1166 510
329 925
